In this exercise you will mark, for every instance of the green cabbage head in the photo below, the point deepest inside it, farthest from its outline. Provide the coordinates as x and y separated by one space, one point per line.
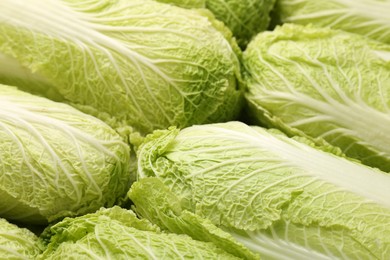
56 161
323 84
185 3
284 198
117 233
17 243
245 18
129 62
366 17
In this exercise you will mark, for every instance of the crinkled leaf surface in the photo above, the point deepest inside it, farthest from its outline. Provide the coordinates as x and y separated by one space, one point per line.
281 197
185 3
56 161
17 243
325 84
117 233
129 62
367 17
154 201
245 18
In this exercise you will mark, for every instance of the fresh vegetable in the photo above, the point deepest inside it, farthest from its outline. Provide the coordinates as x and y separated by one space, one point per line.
185 3
284 198
323 83
113 146
56 161
245 18
367 17
117 233
17 243
157 203
133 63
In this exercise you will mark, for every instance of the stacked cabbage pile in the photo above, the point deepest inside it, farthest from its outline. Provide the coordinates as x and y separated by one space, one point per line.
198 129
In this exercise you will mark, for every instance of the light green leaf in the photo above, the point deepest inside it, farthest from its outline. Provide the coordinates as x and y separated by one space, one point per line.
17 243
366 17
158 204
323 83
55 160
280 197
117 233
129 62
245 18
185 3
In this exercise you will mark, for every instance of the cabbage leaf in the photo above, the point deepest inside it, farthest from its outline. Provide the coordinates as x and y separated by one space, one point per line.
284 198
17 243
155 202
367 17
245 18
129 62
117 233
55 160
324 84
185 3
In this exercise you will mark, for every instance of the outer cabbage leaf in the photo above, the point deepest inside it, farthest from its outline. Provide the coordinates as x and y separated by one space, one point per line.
17 243
367 17
281 197
129 62
245 18
117 233
323 83
154 201
185 3
56 161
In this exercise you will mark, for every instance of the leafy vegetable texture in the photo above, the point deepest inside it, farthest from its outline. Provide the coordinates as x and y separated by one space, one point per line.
367 17
245 18
117 233
17 243
56 161
284 198
129 62
185 3
157 203
323 83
